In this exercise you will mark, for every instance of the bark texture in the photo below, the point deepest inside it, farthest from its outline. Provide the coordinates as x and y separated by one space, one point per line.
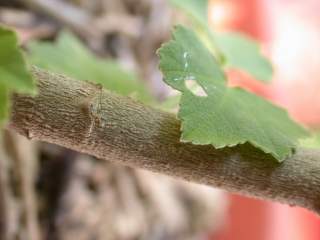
81 116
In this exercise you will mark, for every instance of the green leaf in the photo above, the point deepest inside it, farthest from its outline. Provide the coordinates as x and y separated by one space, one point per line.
69 56
222 116
4 103
243 53
234 49
170 104
14 74
198 9
13 70
312 141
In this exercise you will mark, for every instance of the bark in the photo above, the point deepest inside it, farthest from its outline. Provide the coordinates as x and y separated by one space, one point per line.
81 116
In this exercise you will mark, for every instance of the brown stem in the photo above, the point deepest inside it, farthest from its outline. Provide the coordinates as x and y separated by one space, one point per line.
82 116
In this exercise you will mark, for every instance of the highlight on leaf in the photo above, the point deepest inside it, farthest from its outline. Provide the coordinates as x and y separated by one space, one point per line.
226 116
235 49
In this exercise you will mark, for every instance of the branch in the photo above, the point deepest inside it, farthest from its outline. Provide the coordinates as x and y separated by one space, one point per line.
81 116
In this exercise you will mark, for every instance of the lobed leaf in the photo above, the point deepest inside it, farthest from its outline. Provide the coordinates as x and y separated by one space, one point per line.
220 115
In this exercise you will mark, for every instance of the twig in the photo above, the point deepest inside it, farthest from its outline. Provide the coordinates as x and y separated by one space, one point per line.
132 134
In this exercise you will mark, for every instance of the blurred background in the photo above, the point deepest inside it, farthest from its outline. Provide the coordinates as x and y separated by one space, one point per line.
48 192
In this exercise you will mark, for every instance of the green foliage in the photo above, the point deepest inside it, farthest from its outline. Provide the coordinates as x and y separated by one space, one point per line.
13 71
4 103
244 53
235 50
312 142
70 57
221 116
14 74
197 9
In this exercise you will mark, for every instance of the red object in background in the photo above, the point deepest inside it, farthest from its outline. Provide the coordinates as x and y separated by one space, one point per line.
242 15
251 219
294 46
248 219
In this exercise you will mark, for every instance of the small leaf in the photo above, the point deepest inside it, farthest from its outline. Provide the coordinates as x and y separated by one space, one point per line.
225 116
13 69
69 56
243 53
